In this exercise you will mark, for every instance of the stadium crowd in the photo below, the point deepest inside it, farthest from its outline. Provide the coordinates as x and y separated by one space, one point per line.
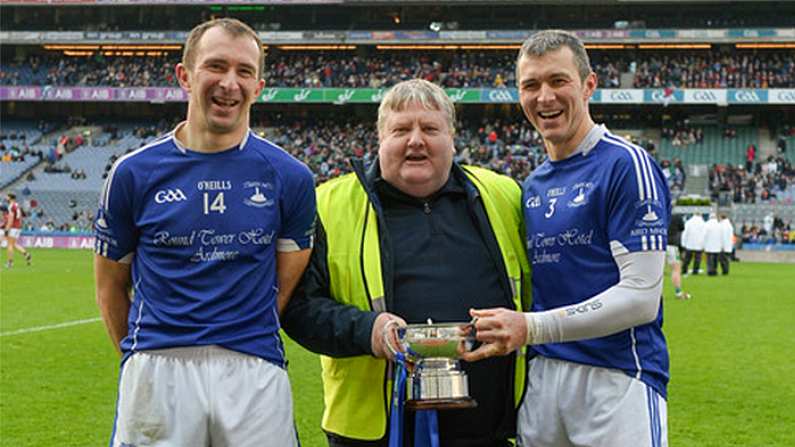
769 181
772 229
98 70
716 70
463 69
682 134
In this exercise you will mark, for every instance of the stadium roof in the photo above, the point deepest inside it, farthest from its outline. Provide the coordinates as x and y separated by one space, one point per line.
346 2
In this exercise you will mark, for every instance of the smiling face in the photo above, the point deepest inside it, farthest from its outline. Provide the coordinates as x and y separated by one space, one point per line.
416 149
555 99
223 81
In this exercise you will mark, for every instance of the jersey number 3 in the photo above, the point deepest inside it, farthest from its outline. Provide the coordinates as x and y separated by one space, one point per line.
217 204
551 209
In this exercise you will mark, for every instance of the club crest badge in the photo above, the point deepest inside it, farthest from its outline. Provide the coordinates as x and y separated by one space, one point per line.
257 194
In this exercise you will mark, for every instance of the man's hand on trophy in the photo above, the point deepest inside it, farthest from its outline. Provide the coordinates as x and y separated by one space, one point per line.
501 331
383 339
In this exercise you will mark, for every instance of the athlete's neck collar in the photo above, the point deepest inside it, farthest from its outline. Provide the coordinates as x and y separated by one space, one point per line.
591 139
183 148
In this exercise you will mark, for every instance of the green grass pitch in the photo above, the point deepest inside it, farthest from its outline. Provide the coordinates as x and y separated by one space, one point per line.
732 359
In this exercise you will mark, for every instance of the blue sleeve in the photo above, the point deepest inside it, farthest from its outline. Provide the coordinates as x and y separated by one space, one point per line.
115 232
298 208
638 204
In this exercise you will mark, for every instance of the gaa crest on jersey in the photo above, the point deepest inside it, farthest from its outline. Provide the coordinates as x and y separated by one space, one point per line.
258 194
533 202
169 195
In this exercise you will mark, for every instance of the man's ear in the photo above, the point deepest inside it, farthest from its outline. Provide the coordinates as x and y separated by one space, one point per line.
183 76
590 85
260 86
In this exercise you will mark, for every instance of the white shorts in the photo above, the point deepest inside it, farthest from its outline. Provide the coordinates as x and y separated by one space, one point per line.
14 232
202 396
672 254
568 404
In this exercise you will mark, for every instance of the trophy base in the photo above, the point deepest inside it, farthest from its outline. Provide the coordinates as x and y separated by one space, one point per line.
441 404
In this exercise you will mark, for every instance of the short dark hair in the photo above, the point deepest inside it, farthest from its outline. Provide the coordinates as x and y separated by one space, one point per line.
547 41
232 26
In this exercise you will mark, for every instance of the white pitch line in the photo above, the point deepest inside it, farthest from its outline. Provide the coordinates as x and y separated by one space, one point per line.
49 326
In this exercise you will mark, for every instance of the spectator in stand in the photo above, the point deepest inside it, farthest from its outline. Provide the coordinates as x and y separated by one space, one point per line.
781 146
680 177
47 227
750 156
770 181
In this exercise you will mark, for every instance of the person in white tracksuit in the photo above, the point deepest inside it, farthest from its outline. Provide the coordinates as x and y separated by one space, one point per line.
727 246
693 243
713 243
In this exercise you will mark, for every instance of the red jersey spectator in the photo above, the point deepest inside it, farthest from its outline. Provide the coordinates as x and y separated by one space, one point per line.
750 155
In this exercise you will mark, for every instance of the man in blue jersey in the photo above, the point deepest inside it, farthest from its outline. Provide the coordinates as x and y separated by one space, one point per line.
596 214
201 237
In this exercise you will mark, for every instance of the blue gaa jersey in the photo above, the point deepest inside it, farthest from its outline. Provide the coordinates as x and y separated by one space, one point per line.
608 199
202 231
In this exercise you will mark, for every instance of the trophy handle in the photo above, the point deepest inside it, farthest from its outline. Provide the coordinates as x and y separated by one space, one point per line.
386 332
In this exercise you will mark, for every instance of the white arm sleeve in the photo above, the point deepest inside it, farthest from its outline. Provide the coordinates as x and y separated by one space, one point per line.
633 301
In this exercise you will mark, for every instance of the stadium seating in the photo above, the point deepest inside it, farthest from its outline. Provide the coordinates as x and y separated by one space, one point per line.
11 171
754 214
18 138
790 154
715 148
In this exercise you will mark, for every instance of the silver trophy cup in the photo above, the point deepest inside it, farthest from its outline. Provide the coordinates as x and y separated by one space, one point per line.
436 380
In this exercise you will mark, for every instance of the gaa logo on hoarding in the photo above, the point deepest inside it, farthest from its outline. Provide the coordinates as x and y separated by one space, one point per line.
746 96
705 96
500 96
621 95
785 96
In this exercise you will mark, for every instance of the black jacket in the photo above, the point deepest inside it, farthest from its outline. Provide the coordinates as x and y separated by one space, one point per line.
323 325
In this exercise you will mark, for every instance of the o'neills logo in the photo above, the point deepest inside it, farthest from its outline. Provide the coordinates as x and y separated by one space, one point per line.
214 185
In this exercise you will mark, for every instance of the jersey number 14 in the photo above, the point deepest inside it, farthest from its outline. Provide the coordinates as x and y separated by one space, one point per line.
217 204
